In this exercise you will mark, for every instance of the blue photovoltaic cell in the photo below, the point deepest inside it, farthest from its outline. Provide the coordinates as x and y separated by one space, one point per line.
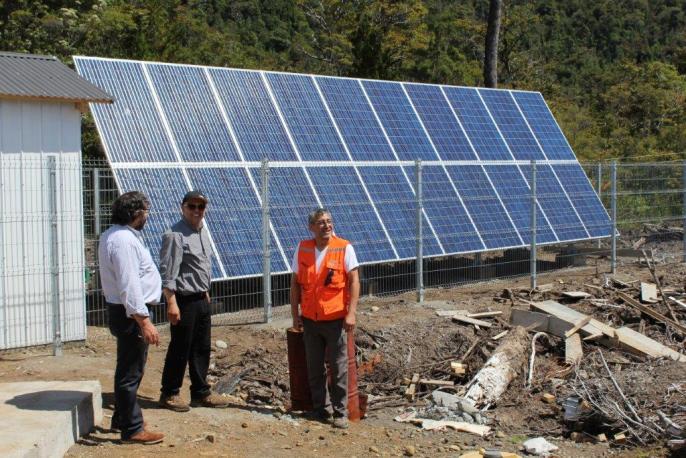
448 217
400 121
483 204
307 119
234 218
355 119
479 126
440 122
291 199
254 120
555 204
516 195
512 125
340 191
131 127
397 206
165 188
192 112
585 200
543 124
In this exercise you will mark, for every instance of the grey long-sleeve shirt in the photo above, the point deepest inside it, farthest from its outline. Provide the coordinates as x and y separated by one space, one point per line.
185 259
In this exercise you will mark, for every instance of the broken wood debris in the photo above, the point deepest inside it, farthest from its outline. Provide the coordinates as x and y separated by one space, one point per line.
580 324
652 313
464 319
576 294
412 388
573 349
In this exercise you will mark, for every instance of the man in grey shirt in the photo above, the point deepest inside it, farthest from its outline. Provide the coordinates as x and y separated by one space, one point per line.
185 266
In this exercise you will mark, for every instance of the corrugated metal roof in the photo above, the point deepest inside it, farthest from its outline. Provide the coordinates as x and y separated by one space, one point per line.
45 77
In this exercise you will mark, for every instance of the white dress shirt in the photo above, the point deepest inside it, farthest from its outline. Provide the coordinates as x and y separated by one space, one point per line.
127 272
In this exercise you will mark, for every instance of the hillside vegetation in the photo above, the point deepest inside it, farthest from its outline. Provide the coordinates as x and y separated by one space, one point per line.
613 72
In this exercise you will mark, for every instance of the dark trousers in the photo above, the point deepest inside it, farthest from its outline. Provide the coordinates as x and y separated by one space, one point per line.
132 352
190 344
326 340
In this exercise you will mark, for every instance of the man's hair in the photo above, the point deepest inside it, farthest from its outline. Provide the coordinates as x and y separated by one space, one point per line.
125 208
316 213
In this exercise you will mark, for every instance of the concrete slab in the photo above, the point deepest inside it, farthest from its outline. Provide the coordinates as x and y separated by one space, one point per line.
44 419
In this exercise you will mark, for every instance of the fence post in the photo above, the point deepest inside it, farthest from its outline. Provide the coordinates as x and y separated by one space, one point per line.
96 200
266 251
600 191
613 209
54 257
420 236
683 192
532 256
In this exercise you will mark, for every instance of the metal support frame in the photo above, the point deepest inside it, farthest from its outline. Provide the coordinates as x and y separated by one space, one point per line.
683 191
532 250
420 235
96 202
613 206
600 192
54 257
266 249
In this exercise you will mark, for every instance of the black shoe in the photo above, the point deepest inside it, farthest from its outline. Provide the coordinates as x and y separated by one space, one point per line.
321 415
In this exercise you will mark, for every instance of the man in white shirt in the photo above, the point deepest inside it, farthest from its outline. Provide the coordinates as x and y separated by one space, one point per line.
130 281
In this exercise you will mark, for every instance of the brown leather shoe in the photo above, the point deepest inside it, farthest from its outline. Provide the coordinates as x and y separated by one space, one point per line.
211 400
174 403
145 438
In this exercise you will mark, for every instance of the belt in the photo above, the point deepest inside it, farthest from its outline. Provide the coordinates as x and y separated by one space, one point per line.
190 296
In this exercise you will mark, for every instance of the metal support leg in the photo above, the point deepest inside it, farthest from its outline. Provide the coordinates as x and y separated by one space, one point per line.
420 237
613 257
532 250
54 258
266 249
600 192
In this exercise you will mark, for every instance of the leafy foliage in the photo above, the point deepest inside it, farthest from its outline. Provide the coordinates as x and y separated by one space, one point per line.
614 73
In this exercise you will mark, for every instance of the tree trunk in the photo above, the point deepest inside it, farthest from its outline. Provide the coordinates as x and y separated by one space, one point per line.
491 56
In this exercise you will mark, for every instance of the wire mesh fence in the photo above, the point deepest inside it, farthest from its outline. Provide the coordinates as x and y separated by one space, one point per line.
400 210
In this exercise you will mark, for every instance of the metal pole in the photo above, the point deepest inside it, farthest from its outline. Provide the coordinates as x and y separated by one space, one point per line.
420 237
54 260
683 192
613 204
96 200
266 251
600 191
532 257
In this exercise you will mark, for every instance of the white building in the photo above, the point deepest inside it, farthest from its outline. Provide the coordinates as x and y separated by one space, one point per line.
42 286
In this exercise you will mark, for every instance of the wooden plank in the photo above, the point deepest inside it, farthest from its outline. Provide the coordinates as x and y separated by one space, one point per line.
484 314
535 321
645 345
499 336
573 349
464 319
572 317
677 301
648 293
412 388
545 287
582 322
426 381
652 313
451 313
576 294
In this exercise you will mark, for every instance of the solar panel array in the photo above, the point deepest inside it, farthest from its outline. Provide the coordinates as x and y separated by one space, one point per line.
346 144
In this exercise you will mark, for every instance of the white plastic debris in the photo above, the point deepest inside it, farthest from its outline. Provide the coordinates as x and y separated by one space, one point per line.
539 446
221 344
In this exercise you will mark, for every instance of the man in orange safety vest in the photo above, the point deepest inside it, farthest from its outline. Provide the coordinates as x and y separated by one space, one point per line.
326 286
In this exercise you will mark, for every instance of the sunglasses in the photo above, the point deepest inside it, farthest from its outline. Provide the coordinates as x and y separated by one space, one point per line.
196 206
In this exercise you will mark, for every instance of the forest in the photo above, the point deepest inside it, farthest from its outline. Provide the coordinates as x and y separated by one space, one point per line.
613 72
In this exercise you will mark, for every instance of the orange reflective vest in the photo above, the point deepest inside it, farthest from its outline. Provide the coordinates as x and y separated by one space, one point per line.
323 299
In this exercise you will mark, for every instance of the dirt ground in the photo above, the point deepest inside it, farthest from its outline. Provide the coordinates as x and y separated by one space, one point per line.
411 336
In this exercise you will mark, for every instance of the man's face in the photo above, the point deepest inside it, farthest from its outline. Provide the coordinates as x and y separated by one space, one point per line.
322 228
194 211
141 218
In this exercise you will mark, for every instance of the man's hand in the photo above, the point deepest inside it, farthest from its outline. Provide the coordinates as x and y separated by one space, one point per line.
173 314
349 323
298 322
148 330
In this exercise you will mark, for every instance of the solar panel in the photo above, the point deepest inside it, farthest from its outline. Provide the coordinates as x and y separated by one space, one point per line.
347 144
